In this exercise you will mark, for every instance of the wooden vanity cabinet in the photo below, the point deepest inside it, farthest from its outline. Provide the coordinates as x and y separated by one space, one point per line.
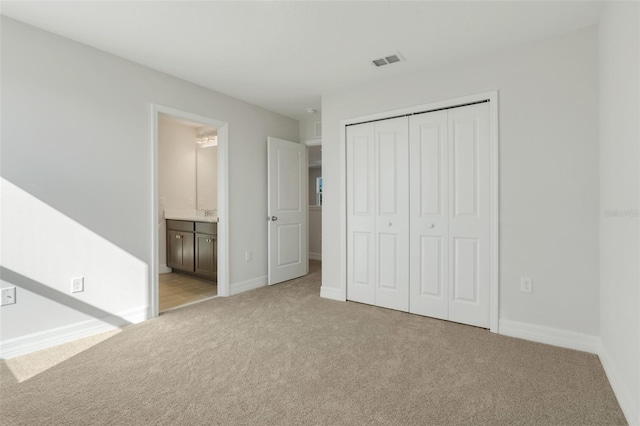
206 256
192 248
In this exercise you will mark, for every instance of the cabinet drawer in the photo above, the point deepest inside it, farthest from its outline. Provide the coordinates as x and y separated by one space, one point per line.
180 225
207 227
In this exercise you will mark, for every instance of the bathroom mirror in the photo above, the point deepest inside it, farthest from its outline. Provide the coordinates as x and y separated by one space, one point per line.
207 177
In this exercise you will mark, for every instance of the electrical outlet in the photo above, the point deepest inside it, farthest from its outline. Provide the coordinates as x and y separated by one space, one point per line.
247 256
526 284
77 285
8 296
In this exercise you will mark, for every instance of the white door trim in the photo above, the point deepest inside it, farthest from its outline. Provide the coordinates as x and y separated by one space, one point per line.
223 200
492 97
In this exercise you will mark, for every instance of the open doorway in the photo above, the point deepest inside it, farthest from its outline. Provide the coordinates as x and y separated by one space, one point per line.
190 208
315 199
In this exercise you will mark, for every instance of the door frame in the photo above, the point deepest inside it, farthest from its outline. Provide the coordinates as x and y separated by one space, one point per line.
223 201
492 97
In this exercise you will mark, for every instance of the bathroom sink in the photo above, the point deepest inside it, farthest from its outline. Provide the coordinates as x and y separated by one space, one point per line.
193 215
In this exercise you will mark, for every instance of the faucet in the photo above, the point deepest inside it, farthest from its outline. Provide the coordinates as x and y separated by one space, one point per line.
208 213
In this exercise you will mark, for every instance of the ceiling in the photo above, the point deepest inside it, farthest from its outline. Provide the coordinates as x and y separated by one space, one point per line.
284 55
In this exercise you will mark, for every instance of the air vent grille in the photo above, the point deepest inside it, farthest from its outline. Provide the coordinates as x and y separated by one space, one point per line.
391 59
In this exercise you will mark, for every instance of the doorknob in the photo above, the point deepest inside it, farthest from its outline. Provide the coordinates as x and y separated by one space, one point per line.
273 218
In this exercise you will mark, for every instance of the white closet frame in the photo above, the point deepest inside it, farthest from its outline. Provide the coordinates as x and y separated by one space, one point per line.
492 97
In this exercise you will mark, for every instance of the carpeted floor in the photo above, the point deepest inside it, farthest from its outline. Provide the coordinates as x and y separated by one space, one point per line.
283 355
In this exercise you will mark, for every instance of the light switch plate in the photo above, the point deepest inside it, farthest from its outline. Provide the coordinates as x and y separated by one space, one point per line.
8 296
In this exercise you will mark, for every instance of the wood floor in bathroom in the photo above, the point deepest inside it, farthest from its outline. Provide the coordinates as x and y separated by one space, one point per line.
177 290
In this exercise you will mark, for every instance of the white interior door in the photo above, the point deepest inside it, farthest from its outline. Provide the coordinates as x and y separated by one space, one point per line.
469 215
392 218
429 217
378 213
361 210
287 210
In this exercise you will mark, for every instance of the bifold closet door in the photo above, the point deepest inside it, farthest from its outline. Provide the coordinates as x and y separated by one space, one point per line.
429 216
450 214
378 213
469 215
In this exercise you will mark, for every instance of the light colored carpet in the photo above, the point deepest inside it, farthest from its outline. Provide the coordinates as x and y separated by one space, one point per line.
283 355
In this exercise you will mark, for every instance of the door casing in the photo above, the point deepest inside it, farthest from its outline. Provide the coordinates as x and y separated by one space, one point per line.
223 201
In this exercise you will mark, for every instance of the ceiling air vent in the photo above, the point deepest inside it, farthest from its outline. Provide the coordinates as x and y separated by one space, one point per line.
388 60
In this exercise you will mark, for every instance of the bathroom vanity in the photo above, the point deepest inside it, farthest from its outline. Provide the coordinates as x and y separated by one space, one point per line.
192 247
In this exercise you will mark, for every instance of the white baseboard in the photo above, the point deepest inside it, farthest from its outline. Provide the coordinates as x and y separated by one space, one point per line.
331 293
630 408
164 269
549 335
252 284
57 336
315 256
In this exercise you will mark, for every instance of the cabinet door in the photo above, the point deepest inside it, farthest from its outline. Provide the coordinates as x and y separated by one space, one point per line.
206 256
180 250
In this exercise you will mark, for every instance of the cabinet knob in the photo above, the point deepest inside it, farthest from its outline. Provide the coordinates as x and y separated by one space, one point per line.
389 224
432 226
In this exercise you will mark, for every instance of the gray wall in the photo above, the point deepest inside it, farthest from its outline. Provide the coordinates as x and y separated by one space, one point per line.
620 190
548 119
77 156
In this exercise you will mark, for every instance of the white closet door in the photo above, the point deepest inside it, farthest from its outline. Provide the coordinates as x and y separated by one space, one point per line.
469 210
429 217
392 219
361 211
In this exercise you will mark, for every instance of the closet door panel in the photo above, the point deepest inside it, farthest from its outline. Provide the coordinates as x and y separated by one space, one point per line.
469 222
361 212
429 269
392 222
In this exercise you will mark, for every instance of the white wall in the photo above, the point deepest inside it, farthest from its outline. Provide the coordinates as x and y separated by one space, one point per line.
548 122
314 172
76 145
307 126
620 190
176 174
315 232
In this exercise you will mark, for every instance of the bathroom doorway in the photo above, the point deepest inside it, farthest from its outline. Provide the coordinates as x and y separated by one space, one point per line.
190 210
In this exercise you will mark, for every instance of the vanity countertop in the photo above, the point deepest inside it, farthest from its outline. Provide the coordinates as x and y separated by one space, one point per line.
193 215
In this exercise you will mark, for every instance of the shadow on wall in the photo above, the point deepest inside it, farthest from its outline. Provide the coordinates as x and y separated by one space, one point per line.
42 250
13 278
